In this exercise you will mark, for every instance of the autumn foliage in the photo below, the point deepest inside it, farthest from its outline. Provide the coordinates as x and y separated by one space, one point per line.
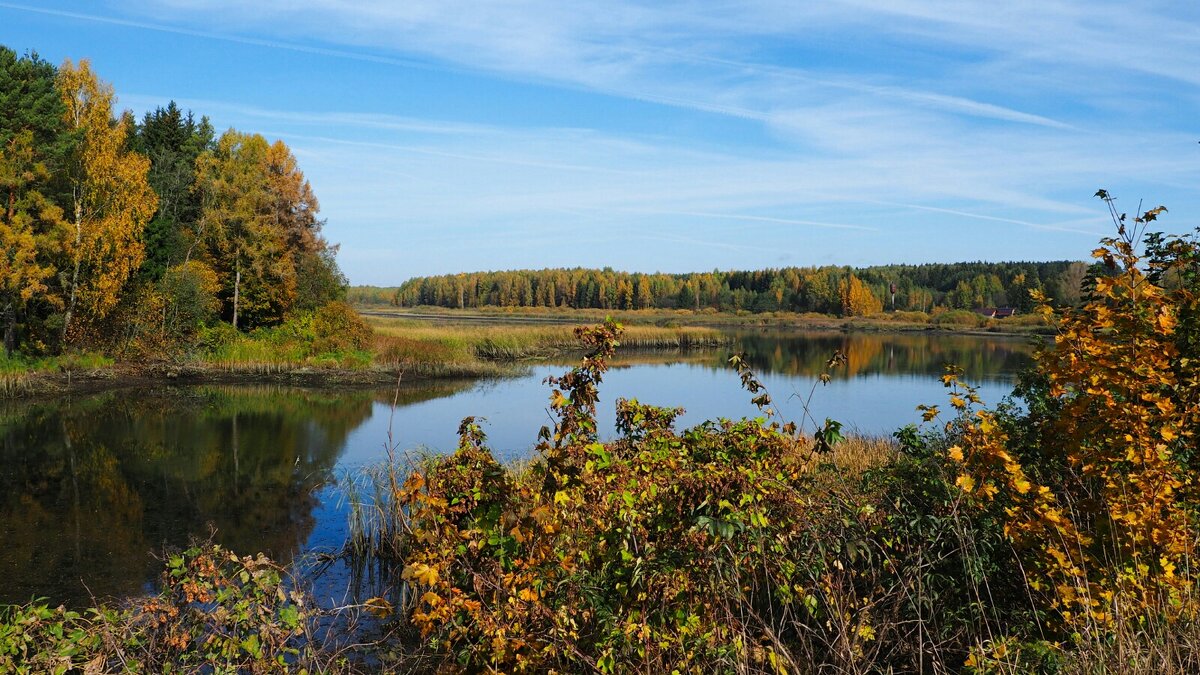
737 545
121 236
1098 489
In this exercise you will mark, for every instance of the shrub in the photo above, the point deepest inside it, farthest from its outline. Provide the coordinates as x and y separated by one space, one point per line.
957 317
217 335
336 327
217 612
1096 481
732 546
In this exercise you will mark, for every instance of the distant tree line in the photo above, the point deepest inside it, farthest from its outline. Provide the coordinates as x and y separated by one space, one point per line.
843 291
115 230
371 295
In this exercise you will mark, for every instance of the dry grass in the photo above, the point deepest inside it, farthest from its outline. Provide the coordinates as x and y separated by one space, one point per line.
856 454
406 341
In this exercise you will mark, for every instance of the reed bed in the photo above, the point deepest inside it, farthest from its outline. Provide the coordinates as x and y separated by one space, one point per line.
15 384
408 341
19 375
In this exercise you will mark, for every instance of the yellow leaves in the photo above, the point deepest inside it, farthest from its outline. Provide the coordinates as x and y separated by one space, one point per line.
527 594
1022 485
420 573
958 402
857 298
965 482
379 607
112 198
1168 434
955 453
1168 567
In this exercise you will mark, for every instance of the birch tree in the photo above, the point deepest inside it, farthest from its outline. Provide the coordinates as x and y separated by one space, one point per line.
111 199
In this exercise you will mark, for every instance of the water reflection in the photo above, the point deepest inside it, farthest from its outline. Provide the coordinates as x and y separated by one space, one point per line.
90 488
984 359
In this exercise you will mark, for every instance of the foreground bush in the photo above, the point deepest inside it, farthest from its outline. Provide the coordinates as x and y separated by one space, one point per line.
732 546
217 613
1096 483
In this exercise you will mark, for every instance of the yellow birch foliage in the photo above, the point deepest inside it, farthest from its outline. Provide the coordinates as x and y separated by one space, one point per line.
111 197
1116 532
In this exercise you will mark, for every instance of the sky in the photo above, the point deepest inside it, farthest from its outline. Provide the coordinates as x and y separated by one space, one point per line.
443 136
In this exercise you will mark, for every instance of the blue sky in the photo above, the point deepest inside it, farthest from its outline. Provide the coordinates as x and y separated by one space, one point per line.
446 136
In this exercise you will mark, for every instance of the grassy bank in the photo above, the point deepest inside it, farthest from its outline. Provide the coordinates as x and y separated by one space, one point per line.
20 375
342 349
430 349
951 321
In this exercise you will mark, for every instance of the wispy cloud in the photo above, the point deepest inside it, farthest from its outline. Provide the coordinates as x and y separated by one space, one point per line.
877 129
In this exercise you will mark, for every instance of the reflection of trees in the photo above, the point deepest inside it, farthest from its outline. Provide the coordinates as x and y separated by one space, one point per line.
88 488
983 358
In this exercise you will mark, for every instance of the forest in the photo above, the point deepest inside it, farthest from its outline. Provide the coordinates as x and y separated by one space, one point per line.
841 291
133 236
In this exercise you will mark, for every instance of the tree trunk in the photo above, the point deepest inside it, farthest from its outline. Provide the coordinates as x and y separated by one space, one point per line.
237 287
75 273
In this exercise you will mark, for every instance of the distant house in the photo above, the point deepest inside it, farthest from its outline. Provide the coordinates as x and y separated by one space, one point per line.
997 312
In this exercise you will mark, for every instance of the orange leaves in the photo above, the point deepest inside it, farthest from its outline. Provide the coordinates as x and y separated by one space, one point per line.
1166 321
379 607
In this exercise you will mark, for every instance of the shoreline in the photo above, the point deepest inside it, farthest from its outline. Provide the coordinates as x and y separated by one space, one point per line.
44 384
701 320
36 386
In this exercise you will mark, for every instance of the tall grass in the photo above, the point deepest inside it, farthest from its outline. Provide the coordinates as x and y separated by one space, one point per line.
19 374
409 341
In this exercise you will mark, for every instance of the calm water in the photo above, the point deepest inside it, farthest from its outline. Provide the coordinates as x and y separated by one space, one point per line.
91 488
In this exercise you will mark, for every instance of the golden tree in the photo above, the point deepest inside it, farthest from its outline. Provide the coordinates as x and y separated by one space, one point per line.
254 201
857 298
111 198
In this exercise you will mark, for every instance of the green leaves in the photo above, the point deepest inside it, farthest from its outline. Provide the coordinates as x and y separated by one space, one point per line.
217 612
829 435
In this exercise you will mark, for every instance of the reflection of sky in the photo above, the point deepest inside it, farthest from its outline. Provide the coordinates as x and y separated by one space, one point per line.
515 409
